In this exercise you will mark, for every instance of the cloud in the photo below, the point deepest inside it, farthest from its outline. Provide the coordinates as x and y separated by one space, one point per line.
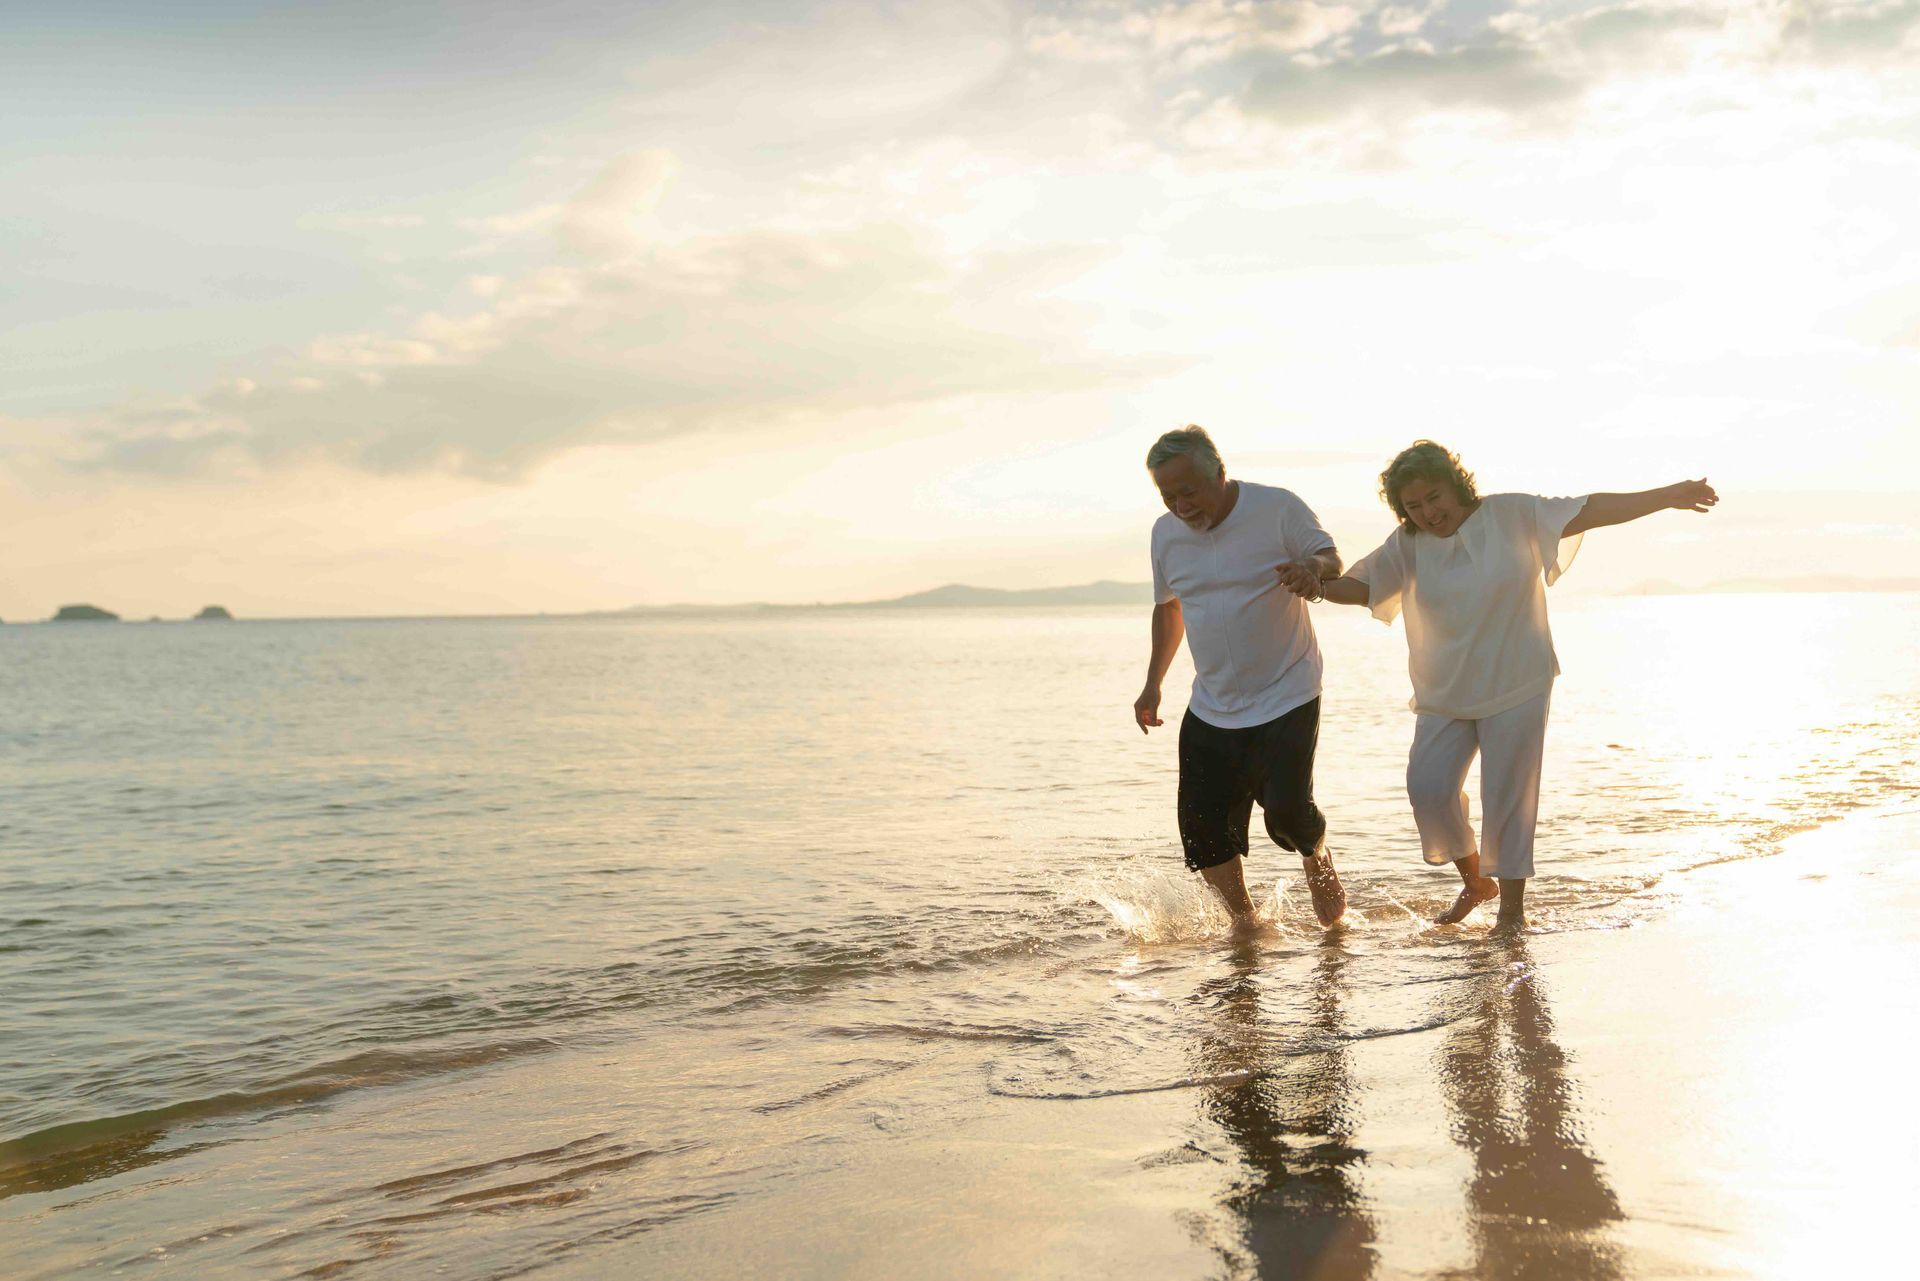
1828 30
175 457
372 350
1300 65
1524 59
1191 33
1152 126
515 223
711 333
1404 20
1518 65
176 438
1506 76
599 221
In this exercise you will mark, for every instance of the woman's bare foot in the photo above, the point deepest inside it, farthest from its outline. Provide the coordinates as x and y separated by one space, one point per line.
1476 891
1512 921
1329 896
1508 927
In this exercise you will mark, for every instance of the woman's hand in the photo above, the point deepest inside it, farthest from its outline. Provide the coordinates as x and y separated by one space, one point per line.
1618 509
1691 495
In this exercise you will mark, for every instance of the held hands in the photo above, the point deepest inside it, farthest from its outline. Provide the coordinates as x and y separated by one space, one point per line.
1146 709
1691 495
1300 580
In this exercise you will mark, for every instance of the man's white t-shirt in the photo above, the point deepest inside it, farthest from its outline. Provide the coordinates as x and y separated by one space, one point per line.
1254 654
1476 608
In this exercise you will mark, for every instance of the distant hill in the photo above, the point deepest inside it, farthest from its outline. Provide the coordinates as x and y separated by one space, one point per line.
952 596
214 614
1108 592
961 596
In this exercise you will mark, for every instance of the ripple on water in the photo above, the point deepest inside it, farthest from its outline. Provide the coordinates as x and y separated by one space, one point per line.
76 1151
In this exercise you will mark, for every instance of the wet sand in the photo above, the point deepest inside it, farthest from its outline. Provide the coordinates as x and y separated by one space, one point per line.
1725 1091
1721 1091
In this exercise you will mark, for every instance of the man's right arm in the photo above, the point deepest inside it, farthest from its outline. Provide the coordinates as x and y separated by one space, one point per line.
1169 629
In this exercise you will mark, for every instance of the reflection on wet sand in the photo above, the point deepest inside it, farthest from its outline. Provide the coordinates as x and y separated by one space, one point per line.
1538 1204
1297 1206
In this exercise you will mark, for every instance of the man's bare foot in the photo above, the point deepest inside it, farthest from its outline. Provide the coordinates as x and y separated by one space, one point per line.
1479 890
1247 927
1507 926
1329 896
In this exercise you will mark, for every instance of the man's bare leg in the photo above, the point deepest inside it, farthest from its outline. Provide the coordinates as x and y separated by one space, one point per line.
1229 881
1513 907
1477 889
1323 883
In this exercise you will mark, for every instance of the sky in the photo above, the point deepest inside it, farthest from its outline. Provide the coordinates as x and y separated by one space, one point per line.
484 307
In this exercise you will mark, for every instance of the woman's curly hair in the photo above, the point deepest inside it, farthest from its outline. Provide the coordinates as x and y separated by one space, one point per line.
1425 460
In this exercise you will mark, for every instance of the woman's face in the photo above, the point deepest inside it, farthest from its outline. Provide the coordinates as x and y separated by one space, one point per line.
1433 506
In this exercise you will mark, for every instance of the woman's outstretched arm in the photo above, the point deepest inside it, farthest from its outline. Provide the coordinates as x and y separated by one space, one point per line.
1345 591
1618 509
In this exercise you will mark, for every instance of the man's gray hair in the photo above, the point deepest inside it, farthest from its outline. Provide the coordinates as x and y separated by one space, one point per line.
1192 442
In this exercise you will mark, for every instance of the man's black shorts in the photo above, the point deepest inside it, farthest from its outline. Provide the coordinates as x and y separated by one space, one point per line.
1224 771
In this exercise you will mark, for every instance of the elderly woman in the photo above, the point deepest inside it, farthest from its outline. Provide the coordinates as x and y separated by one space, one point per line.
1468 573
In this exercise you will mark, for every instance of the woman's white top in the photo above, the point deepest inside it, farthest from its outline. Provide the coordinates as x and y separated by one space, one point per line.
1475 603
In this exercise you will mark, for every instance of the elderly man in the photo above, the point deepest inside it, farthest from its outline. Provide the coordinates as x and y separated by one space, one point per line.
1233 565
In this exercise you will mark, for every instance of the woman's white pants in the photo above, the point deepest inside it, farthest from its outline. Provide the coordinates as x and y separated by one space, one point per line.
1510 745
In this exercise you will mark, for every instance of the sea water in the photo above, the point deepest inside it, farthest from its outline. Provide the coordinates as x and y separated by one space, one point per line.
478 945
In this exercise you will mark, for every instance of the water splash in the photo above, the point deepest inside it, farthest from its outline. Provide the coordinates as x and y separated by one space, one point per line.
1159 907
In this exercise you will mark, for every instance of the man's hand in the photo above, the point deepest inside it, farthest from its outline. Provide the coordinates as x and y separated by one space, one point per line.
1691 495
1299 579
1146 709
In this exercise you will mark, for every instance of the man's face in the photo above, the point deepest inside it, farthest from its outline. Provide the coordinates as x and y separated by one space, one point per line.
1191 492
1433 507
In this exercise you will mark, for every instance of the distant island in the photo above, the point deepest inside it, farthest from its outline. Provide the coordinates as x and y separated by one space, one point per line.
85 614
94 614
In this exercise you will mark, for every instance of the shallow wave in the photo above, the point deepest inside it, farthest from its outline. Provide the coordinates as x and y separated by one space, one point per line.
834 1088
942 1032
73 1152
1238 1076
565 1187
